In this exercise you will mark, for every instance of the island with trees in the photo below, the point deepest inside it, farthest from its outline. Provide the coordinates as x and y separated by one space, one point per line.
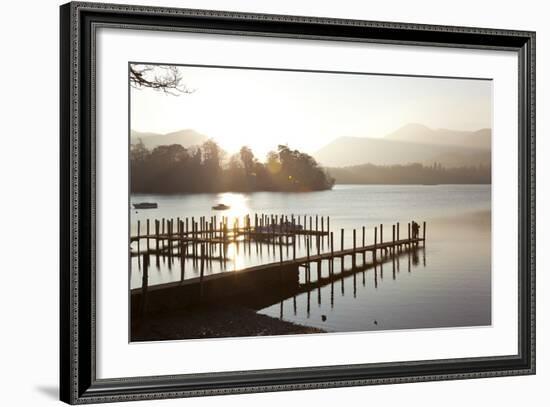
206 168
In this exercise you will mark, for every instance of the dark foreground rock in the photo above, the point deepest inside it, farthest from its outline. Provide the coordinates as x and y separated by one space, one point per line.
212 322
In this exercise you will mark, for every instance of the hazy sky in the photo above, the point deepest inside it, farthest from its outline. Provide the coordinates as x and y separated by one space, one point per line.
306 110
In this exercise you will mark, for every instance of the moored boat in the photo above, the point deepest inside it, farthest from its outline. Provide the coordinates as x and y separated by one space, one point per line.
145 205
284 227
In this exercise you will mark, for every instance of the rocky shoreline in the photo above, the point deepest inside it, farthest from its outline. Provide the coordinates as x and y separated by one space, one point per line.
212 322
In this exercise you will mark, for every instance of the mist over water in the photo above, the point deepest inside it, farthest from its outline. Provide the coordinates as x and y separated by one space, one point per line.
446 283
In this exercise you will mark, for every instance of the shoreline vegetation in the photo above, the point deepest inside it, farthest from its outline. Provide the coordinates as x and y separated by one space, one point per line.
206 168
411 174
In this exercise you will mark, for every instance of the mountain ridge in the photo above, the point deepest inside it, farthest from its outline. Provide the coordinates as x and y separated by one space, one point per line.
185 137
412 143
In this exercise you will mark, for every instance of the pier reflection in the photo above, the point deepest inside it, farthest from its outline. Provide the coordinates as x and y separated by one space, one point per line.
273 286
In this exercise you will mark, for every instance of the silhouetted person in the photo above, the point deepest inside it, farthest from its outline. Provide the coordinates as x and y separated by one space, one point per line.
415 229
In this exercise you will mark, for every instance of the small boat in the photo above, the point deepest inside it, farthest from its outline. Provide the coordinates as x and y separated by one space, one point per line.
145 205
284 227
220 207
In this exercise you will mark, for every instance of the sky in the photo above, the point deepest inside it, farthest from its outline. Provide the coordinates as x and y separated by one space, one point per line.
307 110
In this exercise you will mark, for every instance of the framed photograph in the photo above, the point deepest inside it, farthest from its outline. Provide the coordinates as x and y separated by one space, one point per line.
256 203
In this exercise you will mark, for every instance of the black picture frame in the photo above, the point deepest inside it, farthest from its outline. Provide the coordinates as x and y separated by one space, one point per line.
78 382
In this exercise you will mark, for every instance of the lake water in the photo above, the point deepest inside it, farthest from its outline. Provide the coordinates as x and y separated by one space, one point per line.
444 284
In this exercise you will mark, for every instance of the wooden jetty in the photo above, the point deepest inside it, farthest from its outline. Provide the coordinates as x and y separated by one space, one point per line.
182 237
201 242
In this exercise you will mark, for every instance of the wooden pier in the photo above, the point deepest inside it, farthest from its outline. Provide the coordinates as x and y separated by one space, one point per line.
182 237
200 241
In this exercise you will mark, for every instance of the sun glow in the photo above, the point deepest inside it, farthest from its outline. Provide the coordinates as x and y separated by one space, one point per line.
238 204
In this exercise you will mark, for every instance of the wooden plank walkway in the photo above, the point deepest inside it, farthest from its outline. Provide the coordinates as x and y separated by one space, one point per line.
206 242
230 235
331 255
254 285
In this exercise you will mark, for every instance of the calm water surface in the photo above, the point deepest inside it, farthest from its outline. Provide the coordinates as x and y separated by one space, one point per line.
447 283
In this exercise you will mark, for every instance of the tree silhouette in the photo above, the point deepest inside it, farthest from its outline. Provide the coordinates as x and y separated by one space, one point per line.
175 169
167 79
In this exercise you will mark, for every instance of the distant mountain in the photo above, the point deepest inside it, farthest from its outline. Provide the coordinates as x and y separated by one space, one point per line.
418 133
186 138
411 144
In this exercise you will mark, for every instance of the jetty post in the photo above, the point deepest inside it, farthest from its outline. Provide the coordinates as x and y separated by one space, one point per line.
316 223
363 246
202 270
354 248
381 238
375 243
393 239
399 246
148 231
331 263
157 236
424 232
281 249
138 235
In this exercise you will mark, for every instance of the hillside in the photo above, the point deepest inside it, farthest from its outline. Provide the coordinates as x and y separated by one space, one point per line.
186 138
418 133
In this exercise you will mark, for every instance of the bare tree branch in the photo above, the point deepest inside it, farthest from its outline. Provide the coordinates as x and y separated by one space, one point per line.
163 78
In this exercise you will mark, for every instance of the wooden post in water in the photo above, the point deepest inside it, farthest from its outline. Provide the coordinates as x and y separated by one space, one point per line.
281 248
138 235
328 224
148 231
221 243
322 224
342 240
397 237
294 247
381 238
331 264
181 239
157 237
375 243
318 239
169 236
393 239
316 223
202 271
363 246
307 246
354 248
424 232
